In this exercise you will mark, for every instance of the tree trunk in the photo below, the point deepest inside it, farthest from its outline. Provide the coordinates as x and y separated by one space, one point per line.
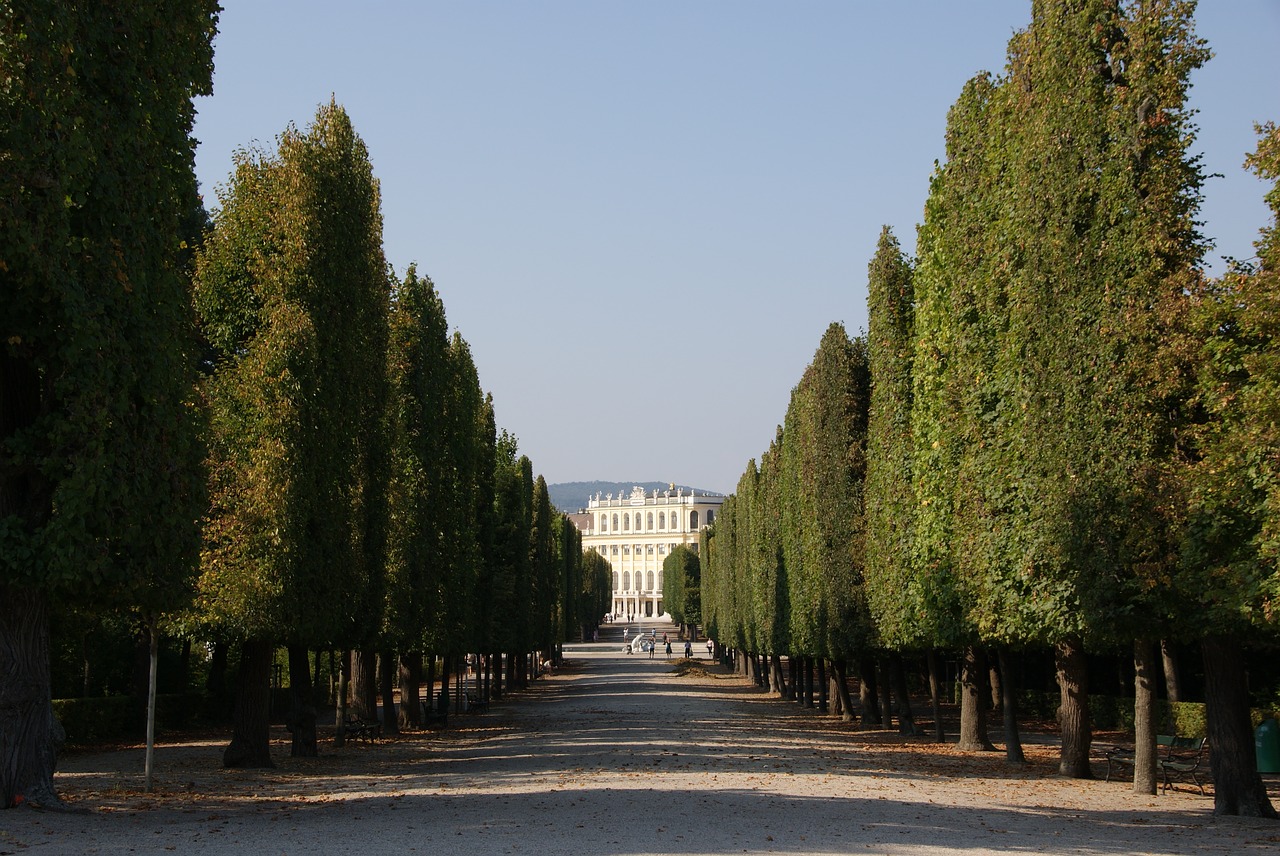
995 681
251 722
27 729
973 704
796 692
302 716
1073 710
841 668
779 679
1144 718
340 707
1237 787
411 690
867 695
906 719
364 685
886 693
823 705
1169 659
387 689
444 682
935 695
1009 706
496 660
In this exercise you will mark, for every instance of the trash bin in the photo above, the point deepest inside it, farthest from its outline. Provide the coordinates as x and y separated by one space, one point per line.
1266 742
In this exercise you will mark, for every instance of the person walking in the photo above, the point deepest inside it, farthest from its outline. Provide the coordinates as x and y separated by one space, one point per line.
688 649
652 646
668 647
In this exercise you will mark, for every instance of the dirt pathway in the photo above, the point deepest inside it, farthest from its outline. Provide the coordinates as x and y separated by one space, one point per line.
618 755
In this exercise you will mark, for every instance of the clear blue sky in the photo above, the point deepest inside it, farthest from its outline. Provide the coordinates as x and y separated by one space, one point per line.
643 215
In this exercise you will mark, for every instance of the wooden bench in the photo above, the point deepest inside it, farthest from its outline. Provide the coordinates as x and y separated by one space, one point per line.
1182 756
358 729
475 704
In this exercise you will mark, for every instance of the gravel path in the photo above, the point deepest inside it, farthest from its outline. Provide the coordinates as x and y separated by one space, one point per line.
617 754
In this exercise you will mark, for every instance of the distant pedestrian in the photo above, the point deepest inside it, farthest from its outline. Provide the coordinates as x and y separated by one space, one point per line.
652 646
668 648
688 650
709 647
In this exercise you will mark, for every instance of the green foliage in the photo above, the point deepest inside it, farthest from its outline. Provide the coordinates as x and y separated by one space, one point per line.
682 588
295 537
1231 555
890 498
99 453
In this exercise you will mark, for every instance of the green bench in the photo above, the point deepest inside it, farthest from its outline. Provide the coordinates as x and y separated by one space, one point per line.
1181 756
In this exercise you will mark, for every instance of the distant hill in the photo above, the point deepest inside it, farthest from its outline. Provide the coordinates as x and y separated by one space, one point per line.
572 496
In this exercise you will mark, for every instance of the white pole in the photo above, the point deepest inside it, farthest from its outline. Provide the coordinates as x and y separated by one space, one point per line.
151 702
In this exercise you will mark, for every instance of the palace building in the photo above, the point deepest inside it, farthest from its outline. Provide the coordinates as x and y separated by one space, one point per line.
636 532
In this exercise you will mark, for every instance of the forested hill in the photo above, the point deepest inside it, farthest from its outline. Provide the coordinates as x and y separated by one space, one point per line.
572 496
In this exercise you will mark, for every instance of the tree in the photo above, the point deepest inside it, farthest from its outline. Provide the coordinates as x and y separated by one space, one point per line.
293 295
682 589
1232 543
99 483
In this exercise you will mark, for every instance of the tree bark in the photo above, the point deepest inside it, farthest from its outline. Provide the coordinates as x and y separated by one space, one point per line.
906 719
841 669
823 700
1073 709
364 685
935 695
1169 659
867 695
973 704
1237 787
27 728
1144 718
302 716
340 709
251 722
779 679
386 689
411 690
886 693
1009 706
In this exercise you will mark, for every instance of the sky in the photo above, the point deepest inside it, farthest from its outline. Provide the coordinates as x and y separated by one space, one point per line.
643 215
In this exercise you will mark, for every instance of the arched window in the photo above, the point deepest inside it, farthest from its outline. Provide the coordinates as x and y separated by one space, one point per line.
626 580
662 520
615 580
693 521
659 580
615 523
649 580
649 522
604 523
626 522
711 516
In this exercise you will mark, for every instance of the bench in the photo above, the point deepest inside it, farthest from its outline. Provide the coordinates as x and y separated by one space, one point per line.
475 704
1182 756
358 729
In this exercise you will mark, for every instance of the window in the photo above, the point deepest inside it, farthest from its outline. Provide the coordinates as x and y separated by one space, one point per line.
615 549
604 523
649 522
615 580
649 580
626 549
662 549
662 520
626 522
615 523
648 550
711 516
693 521
626 581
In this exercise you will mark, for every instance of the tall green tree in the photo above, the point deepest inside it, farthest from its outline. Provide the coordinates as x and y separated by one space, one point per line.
890 499
1231 550
293 295
99 483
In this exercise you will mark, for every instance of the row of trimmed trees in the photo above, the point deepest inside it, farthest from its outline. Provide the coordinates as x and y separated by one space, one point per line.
253 433
1057 434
